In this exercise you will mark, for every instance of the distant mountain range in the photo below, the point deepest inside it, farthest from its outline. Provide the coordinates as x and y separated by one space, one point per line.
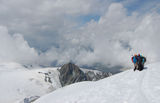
22 85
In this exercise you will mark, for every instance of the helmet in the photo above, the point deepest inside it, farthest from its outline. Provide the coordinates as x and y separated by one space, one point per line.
138 54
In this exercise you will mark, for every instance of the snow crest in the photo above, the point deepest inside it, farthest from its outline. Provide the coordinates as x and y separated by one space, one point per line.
126 87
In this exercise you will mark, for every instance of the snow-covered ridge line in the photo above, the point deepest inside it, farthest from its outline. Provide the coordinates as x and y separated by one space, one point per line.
126 87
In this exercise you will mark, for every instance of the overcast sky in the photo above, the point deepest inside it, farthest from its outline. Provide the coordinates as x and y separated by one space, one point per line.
86 32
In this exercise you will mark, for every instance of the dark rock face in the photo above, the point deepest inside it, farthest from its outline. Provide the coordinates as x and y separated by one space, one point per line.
70 73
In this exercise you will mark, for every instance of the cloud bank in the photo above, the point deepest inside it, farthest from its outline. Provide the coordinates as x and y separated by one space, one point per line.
110 40
15 49
43 22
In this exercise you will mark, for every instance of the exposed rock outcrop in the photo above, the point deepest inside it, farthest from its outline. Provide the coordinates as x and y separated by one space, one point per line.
71 73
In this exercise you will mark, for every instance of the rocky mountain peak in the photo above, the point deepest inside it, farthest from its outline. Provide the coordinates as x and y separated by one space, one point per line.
71 73
70 69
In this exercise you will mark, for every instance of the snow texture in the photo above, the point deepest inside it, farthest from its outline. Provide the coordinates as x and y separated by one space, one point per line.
126 87
18 83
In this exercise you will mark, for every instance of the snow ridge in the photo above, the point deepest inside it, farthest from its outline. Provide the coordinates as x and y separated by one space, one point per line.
126 87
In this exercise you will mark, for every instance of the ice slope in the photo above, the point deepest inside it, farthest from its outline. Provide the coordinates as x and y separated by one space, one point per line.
126 87
18 82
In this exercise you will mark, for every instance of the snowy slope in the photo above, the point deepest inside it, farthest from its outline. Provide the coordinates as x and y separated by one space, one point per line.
18 82
126 87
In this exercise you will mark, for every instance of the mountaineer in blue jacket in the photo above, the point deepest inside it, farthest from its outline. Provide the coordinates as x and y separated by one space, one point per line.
138 61
134 60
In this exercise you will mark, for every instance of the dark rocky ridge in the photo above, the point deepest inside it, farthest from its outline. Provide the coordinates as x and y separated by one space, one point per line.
70 73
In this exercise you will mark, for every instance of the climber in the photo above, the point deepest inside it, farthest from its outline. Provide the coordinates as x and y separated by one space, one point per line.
141 61
134 60
138 61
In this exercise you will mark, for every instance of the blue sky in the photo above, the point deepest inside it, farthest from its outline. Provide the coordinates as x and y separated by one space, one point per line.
140 6
88 18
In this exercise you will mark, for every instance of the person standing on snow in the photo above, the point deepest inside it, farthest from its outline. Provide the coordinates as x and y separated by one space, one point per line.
141 61
138 61
134 61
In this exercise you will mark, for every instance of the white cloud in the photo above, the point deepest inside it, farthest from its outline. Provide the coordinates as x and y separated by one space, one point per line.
15 48
44 21
110 40
107 41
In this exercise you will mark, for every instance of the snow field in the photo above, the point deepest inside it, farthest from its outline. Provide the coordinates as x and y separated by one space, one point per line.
126 87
